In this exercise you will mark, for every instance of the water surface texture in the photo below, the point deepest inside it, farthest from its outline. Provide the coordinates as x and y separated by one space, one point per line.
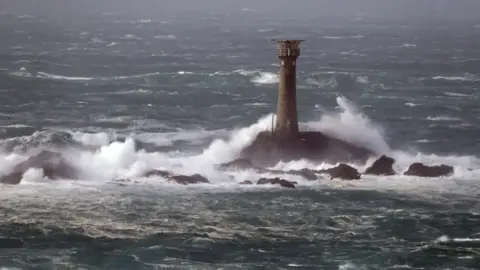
121 88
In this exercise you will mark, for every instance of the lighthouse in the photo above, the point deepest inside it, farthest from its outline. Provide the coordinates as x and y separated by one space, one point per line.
287 142
287 121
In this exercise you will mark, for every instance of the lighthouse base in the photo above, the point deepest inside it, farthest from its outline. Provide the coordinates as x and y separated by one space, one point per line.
268 149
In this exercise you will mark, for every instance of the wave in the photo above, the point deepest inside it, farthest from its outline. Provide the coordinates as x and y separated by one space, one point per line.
362 79
103 157
45 75
256 76
445 239
131 37
60 77
453 94
266 78
443 118
142 21
468 78
165 37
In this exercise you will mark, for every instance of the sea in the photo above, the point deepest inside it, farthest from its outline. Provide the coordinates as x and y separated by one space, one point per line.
120 90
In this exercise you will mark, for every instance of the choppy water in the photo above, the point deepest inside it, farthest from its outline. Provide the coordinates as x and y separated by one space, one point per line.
187 91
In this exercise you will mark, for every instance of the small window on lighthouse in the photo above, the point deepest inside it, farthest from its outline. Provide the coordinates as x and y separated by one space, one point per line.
283 63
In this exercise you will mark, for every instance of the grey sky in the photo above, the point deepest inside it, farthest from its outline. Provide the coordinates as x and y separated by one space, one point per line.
395 9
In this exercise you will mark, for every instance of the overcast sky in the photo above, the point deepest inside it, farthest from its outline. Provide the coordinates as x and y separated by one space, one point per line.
439 9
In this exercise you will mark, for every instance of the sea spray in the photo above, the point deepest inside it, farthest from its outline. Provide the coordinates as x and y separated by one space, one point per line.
352 126
105 161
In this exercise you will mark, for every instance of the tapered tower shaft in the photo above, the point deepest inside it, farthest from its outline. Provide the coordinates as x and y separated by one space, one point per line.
287 123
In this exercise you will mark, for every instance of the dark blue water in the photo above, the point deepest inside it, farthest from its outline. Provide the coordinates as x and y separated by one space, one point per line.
121 91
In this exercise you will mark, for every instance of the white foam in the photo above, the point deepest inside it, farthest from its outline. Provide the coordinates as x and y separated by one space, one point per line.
130 36
165 37
352 53
142 21
349 266
45 75
114 160
185 73
93 139
446 238
362 79
442 118
456 78
226 150
266 78
257 104
33 175
352 126
454 94
60 77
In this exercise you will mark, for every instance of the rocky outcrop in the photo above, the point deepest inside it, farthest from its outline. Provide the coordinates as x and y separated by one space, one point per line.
246 164
178 178
246 182
342 171
276 181
419 169
237 164
268 149
161 173
382 166
187 180
53 164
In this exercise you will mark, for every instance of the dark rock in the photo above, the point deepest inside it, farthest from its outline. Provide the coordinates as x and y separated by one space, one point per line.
237 164
419 169
180 179
13 178
123 182
343 171
268 149
276 181
186 180
158 173
246 182
53 164
382 166
246 164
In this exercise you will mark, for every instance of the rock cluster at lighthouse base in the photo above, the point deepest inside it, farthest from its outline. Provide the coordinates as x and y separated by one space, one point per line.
269 148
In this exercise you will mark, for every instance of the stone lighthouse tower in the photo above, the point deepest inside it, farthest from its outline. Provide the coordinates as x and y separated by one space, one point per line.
287 123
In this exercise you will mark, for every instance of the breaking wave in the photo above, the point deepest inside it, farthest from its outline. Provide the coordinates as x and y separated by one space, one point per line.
255 76
467 78
266 78
102 157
